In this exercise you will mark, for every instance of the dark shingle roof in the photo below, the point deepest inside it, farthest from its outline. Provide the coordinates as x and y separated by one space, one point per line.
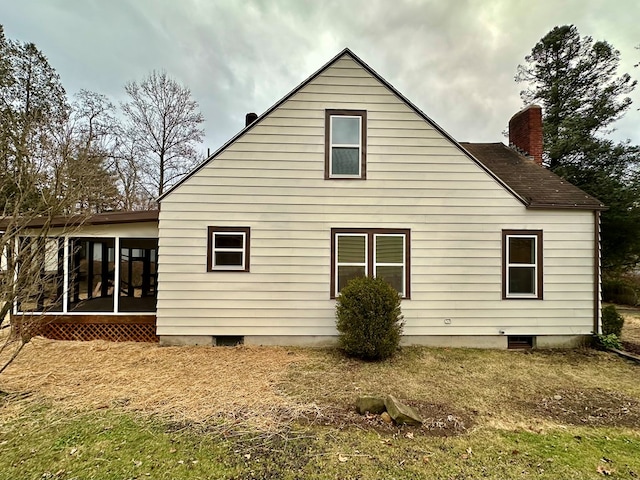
539 187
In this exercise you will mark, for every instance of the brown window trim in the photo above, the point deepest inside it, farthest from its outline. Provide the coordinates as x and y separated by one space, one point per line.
370 232
247 248
539 263
327 143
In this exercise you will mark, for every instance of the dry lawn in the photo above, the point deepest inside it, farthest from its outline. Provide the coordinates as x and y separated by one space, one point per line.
631 329
233 388
186 384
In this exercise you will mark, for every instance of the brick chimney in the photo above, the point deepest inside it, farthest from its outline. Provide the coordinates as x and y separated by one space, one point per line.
525 132
250 118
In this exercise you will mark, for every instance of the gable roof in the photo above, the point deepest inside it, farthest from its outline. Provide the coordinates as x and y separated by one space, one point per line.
366 67
539 187
531 184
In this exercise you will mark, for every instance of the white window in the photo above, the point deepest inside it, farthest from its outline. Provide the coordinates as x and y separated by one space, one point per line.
351 258
228 248
522 264
345 155
390 259
377 252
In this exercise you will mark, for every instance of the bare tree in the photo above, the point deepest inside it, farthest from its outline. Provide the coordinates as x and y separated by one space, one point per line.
164 123
44 172
85 143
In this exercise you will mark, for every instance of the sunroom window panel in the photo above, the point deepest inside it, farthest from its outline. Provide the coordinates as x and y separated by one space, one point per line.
345 130
4 259
138 275
40 275
522 250
91 274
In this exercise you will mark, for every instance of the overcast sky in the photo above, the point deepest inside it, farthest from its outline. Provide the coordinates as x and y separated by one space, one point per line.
454 59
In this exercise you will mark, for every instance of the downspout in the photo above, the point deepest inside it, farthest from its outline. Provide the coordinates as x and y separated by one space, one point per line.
597 273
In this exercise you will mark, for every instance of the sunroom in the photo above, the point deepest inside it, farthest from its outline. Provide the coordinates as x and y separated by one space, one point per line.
96 279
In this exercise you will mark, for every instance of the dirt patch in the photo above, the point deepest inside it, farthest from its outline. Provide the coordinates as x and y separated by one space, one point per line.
631 347
590 407
439 421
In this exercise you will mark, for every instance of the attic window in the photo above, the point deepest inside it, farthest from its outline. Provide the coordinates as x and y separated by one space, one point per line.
522 264
345 144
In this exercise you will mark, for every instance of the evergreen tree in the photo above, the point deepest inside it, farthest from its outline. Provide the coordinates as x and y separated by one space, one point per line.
575 80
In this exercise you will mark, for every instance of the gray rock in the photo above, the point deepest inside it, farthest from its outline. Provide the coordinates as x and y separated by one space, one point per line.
401 413
386 418
370 403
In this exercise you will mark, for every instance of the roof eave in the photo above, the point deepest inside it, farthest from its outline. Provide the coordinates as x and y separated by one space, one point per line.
108 218
560 206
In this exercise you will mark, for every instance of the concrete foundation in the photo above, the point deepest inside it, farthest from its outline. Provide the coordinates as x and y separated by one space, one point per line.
453 341
562 341
183 340
457 341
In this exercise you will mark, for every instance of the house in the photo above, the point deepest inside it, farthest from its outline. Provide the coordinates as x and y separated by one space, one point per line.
343 177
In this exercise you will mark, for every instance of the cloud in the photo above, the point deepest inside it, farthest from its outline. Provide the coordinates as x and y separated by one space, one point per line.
454 60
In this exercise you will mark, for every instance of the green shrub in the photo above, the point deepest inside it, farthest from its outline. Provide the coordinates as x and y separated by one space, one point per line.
612 321
369 319
608 341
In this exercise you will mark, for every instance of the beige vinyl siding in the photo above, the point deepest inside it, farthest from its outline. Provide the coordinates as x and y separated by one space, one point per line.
271 179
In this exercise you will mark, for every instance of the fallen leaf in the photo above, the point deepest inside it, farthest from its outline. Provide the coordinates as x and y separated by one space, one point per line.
605 471
409 435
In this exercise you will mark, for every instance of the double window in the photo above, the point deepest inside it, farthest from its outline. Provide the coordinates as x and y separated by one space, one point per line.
345 144
228 249
370 252
522 264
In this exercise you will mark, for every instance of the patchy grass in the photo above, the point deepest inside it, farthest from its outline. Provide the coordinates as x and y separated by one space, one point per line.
41 443
631 330
107 410
499 389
